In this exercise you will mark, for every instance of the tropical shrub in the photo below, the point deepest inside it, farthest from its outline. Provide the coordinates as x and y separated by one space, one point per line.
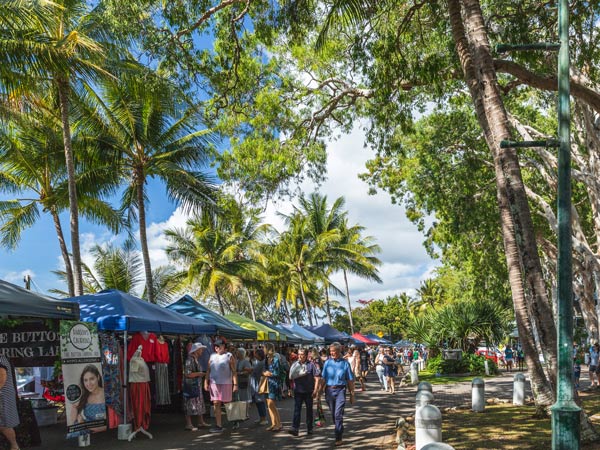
470 363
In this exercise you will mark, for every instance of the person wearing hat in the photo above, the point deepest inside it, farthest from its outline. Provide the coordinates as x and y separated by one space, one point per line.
194 405
221 380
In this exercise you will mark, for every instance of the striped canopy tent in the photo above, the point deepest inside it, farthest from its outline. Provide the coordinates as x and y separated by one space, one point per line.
364 339
187 306
263 332
300 331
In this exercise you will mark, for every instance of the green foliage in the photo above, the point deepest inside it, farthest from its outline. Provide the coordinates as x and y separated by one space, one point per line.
470 363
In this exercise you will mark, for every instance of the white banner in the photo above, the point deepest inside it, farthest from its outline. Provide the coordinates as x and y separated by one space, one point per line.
82 374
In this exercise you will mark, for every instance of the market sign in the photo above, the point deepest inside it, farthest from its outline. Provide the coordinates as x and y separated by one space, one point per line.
30 345
82 374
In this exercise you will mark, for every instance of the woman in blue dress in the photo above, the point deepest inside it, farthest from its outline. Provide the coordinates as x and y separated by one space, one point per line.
273 373
91 405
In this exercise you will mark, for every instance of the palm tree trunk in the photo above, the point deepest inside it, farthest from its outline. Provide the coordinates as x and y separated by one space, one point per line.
305 302
515 216
251 303
349 304
219 301
139 187
287 310
63 96
64 251
327 309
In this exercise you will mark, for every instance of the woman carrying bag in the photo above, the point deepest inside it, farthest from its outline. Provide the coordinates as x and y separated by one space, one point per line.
273 375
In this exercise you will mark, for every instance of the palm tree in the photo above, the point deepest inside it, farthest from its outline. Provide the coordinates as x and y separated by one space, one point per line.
32 165
430 293
121 268
156 137
213 256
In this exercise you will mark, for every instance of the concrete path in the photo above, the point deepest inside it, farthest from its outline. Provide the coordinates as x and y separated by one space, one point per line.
369 424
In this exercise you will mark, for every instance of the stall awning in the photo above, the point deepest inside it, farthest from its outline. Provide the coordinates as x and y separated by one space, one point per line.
263 332
291 338
329 334
378 339
364 339
187 306
297 329
18 302
118 311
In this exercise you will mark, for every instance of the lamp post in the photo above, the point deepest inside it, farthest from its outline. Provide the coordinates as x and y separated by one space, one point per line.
565 412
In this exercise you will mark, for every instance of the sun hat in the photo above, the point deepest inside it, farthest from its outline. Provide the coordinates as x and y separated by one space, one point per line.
196 346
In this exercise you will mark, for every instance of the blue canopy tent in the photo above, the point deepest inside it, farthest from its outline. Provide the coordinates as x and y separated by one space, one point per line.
292 338
378 339
329 334
303 332
118 311
187 306
18 302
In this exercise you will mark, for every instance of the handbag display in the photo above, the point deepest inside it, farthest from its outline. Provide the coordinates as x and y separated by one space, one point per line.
263 385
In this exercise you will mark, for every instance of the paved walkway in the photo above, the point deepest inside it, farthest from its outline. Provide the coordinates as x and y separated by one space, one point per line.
370 424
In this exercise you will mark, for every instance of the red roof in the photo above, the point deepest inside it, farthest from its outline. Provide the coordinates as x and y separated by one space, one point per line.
366 340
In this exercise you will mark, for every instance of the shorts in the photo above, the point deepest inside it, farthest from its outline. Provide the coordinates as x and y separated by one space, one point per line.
593 368
221 392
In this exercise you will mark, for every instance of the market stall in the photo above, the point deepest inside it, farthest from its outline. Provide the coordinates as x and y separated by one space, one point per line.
364 339
187 306
29 339
291 338
329 334
263 332
308 335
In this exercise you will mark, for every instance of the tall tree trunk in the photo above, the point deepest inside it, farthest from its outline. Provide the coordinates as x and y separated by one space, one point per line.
63 98
219 301
515 217
349 304
327 308
139 187
251 303
287 310
64 251
306 308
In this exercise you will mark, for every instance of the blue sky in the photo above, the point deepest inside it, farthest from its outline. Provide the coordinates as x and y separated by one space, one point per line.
405 261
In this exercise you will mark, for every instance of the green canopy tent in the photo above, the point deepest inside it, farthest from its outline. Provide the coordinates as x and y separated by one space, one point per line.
263 332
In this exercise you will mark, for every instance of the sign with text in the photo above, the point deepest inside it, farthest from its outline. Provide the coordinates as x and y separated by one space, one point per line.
30 345
82 373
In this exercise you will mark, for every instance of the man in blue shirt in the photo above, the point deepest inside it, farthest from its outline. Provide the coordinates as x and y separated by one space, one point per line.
306 376
336 375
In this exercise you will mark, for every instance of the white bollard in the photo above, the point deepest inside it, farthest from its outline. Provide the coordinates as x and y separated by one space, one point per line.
428 426
437 446
423 398
425 386
487 367
519 389
478 395
414 373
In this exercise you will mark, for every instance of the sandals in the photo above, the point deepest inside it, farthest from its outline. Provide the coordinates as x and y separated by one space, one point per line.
276 430
190 428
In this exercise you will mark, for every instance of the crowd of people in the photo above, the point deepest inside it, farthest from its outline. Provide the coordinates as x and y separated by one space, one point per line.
262 376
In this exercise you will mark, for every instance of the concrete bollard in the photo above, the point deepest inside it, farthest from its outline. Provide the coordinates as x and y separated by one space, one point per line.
437 446
83 440
428 426
423 398
414 373
486 364
425 386
519 389
478 395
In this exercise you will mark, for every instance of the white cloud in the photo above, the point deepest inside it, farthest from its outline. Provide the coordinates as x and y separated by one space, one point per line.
17 277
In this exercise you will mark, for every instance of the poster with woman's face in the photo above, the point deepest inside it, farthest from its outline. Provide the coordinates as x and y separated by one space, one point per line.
82 374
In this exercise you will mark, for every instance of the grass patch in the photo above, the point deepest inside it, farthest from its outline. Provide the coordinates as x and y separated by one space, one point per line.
508 427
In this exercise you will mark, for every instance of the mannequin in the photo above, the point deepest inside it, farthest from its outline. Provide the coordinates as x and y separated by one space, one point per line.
163 396
139 388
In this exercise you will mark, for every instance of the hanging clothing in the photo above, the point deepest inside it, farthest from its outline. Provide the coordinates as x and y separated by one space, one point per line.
138 370
161 385
139 395
111 371
162 352
148 344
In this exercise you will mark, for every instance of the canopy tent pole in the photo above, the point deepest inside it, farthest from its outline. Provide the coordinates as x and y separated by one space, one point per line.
125 379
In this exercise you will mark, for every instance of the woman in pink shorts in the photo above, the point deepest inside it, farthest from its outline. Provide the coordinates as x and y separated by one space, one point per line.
221 380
